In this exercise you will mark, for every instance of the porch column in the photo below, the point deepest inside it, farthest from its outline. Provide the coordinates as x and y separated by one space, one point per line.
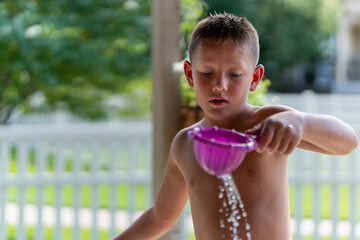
166 89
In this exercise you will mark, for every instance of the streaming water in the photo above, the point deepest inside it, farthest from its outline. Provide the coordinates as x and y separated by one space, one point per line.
232 208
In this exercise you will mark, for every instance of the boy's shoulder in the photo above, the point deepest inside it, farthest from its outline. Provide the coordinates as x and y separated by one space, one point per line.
181 143
269 110
182 135
261 113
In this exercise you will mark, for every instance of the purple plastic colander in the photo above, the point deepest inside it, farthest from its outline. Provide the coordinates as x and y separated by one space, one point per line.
220 151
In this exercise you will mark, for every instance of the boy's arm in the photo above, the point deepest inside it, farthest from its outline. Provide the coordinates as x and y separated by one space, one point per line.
282 132
168 206
327 134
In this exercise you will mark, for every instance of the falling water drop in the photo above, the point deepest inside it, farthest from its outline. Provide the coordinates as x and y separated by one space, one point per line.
247 226
221 195
234 202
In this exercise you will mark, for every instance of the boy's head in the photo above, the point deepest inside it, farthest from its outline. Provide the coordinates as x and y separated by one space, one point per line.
219 28
224 52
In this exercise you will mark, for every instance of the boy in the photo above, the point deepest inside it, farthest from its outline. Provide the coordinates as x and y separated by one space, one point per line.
222 69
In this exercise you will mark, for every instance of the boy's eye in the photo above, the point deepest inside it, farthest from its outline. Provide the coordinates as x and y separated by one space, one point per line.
235 75
207 73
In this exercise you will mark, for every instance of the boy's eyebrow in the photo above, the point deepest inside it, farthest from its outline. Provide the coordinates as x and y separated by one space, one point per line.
237 64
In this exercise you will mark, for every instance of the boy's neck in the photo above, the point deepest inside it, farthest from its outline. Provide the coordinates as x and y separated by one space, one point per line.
240 122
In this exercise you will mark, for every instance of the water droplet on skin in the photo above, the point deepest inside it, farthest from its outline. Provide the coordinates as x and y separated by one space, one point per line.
222 224
247 226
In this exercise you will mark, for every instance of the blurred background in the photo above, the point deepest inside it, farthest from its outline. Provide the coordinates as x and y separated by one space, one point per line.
76 110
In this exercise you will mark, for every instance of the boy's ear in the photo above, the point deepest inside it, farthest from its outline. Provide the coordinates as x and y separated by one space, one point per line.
188 73
257 76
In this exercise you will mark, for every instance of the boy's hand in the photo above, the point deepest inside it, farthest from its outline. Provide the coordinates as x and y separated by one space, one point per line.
280 133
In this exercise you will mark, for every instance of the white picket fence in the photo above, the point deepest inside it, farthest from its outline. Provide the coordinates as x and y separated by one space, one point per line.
324 190
82 162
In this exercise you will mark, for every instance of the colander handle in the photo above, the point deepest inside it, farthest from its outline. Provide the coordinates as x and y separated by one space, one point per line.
255 137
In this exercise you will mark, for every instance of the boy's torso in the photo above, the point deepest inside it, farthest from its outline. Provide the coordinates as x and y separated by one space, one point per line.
262 183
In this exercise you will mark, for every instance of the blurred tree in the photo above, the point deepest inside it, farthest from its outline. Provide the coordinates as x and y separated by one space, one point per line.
72 55
292 32
192 11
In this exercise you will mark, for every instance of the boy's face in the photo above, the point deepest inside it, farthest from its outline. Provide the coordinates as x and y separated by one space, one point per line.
222 75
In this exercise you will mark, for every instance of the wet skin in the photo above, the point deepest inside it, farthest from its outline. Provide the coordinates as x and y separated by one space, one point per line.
262 183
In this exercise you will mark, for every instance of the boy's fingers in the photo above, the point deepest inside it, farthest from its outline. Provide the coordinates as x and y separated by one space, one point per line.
266 136
291 147
274 145
284 146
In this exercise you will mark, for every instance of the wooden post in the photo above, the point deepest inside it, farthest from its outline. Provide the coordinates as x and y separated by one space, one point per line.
167 99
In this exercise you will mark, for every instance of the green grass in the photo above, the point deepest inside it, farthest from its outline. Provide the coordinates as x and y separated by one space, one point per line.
122 160
325 201
322 238
68 192
49 233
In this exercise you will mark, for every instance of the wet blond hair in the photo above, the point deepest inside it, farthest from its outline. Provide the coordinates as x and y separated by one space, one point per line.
218 28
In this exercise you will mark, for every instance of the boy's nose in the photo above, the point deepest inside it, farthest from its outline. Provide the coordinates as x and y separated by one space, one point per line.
219 85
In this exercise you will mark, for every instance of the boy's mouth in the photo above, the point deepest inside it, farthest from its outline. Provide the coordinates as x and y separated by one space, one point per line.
218 101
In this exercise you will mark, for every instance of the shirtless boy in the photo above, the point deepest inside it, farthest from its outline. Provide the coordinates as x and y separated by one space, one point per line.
223 68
